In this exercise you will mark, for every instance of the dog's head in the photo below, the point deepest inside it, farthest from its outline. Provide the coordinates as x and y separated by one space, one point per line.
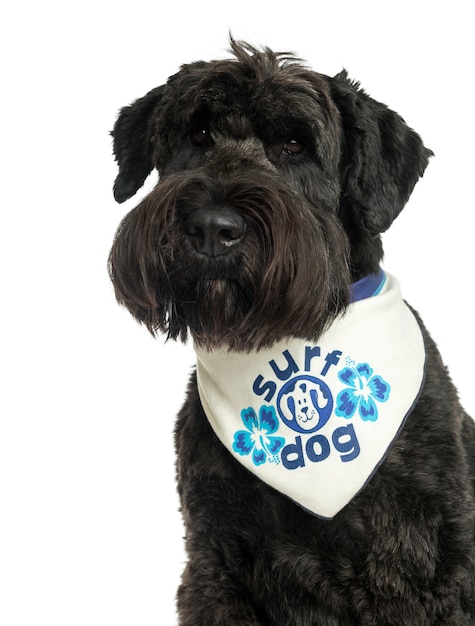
306 403
275 183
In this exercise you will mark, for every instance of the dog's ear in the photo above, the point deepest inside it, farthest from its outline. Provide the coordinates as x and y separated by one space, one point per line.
382 157
133 147
291 405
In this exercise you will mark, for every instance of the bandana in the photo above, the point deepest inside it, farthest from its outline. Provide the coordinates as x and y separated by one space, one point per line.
315 420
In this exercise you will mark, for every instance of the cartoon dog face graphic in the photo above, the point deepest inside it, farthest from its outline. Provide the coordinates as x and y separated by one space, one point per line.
305 403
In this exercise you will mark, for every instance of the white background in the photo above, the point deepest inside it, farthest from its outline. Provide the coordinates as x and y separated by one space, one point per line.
89 526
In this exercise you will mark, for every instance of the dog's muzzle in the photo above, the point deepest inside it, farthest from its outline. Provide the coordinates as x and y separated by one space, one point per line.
215 231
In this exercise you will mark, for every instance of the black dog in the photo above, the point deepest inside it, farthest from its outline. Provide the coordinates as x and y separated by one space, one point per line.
325 466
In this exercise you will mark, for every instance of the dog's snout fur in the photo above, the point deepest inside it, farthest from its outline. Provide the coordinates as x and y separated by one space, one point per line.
228 155
275 184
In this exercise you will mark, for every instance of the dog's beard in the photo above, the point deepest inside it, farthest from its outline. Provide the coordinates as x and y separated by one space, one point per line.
220 307
288 277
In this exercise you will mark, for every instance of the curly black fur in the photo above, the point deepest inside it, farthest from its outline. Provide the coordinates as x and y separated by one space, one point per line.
309 171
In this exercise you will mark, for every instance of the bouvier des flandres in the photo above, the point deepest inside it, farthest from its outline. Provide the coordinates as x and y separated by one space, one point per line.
325 466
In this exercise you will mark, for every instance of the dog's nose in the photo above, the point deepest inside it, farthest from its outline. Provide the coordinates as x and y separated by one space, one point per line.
215 231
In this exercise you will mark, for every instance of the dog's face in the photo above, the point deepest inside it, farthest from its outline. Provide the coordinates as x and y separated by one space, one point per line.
305 402
274 185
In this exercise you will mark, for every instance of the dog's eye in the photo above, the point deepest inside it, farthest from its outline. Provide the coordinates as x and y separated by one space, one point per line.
292 147
200 136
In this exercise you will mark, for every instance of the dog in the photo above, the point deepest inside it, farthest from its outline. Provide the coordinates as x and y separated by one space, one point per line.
262 243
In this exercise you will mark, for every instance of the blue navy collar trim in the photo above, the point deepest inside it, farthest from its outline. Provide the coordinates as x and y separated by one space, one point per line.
368 286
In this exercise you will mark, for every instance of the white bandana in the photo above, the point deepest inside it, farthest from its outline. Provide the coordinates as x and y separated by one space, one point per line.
315 421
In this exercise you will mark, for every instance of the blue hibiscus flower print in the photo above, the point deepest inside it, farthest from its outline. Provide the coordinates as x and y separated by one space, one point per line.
362 392
259 440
